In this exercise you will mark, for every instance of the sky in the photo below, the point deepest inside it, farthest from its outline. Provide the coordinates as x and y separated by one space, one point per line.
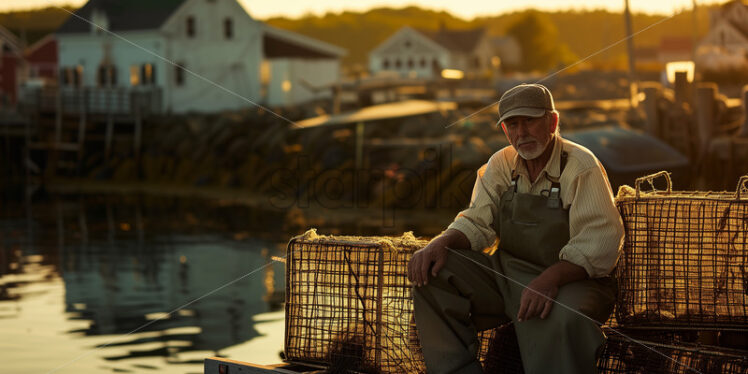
467 9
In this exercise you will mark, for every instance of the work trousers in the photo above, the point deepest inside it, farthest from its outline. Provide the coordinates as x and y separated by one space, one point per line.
467 296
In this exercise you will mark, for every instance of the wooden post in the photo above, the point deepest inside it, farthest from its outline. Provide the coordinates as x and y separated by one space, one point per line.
109 122
82 130
58 116
652 94
337 92
633 80
109 134
52 149
26 151
138 128
682 87
359 145
706 95
83 222
744 129
60 226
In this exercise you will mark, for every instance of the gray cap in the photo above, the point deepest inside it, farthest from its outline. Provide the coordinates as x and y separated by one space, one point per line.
531 100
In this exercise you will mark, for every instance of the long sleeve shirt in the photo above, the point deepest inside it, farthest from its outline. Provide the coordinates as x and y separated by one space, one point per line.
595 226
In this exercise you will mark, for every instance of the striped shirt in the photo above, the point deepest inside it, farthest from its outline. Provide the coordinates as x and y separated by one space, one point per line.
595 226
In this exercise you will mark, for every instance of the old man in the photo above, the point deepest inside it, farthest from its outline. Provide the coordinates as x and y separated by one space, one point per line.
547 202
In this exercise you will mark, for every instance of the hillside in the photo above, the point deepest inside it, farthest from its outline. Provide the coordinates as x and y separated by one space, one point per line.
585 32
34 23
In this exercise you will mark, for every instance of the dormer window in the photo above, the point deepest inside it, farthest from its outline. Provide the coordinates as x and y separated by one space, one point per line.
99 22
191 27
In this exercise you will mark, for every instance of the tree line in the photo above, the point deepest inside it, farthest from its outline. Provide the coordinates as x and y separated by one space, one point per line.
549 39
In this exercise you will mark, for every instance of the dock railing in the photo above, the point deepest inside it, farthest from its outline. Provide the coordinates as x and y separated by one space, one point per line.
92 100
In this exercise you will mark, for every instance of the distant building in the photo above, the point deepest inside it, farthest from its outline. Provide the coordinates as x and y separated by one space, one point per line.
424 54
159 43
675 48
726 43
296 68
41 58
12 67
671 49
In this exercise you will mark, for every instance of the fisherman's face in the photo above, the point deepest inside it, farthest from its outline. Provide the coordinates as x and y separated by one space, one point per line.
528 135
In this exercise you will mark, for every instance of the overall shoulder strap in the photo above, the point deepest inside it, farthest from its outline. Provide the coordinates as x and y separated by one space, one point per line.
554 195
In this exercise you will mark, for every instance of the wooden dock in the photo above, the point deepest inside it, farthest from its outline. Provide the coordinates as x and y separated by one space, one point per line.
62 122
219 365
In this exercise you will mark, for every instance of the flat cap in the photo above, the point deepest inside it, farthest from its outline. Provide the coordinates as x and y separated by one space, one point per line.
531 100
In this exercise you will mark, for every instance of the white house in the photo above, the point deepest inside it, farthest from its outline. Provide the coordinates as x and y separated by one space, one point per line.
200 55
424 54
297 68
726 43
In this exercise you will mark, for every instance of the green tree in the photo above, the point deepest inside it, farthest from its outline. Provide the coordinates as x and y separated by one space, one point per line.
538 36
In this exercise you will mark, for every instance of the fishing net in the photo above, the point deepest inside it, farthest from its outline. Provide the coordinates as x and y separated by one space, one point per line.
349 305
685 258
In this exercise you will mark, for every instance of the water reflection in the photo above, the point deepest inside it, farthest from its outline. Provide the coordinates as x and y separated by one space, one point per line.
126 263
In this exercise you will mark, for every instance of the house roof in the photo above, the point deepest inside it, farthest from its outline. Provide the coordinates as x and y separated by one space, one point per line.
676 44
9 42
123 15
282 43
727 7
379 112
456 40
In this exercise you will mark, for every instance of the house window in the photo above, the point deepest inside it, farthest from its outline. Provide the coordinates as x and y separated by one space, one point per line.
423 62
106 76
476 62
410 63
191 26
148 74
435 64
398 64
144 74
134 75
228 28
386 64
179 74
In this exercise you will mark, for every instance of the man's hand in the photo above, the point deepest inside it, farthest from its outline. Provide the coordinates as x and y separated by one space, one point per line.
546 285
418 267
537 298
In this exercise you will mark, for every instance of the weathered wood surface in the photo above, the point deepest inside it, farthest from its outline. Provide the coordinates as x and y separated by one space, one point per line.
219 365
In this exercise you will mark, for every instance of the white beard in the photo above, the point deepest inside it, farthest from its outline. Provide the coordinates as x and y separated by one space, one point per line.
535 153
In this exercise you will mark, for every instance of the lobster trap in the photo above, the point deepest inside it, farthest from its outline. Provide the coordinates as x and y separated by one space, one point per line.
685 258
621 355
349 304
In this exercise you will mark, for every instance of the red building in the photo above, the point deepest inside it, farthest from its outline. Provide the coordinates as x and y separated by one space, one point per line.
11 67
41 59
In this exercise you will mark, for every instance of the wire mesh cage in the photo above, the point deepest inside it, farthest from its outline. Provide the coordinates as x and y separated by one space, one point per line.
502 355
685 257
621 355
349 305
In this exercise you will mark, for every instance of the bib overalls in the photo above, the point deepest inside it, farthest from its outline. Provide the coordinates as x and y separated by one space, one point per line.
465 297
